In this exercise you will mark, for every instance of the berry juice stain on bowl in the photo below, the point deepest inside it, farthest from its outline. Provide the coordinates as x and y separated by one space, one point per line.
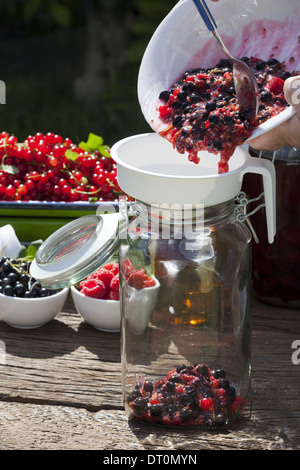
201 111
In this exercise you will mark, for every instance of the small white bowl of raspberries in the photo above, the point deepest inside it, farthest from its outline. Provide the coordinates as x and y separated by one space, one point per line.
96 298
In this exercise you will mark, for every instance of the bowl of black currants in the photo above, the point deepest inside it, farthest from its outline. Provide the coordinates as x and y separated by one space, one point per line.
24 302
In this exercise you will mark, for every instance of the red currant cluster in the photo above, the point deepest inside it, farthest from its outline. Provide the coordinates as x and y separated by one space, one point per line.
46 167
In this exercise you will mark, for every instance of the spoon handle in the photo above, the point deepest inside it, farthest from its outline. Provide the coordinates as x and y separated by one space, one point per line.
206 14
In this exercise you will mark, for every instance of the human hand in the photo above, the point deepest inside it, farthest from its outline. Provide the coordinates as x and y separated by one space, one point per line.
287 133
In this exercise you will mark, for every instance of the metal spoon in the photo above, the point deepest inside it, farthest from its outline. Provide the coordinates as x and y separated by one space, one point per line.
244 81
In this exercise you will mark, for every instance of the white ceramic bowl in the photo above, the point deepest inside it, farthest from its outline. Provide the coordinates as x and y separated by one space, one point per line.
31 313
104 315
140 305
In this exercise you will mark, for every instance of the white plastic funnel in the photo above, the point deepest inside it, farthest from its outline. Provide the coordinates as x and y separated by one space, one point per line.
150 170
260 28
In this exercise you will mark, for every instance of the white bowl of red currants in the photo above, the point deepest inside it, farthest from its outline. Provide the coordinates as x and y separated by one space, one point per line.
24 303
96 298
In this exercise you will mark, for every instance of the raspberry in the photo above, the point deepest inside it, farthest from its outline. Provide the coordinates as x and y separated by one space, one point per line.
114 285
103 275
150 282
206 404
127 268
93 288
164 111
114 267
276 85
114 295
137 279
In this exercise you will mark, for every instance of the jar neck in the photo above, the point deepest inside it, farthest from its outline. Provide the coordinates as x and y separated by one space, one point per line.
188 215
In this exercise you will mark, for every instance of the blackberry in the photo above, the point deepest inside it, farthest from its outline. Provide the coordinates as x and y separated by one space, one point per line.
219 374
273 61
261 64
180 368
194 98
228 121
208 393
185 414
285 74
155 410
266 96
186 131
230 390
210 106
223 63
20 289
148 386
171 409
177 121
218 145
12 277
213 118
188 86
24 278
6 267
220 420
202 369
44 292
170 385
164 96
223 383
181 96
8 290
140 406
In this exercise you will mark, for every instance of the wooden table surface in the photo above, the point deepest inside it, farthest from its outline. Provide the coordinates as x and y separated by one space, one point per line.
60 389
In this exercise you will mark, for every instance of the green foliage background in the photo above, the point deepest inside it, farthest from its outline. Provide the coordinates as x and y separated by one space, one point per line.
43 50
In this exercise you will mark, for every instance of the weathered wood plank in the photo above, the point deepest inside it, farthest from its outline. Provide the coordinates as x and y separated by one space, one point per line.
44 427
66 361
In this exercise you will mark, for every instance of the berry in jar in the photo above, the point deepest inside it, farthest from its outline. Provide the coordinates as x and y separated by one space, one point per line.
189 395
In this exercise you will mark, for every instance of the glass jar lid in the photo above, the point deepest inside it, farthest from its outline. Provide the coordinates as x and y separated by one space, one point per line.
76 250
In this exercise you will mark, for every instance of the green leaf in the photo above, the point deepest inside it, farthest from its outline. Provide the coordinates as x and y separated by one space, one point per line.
31 252
84 146
104 150
70 155
28 253
94 141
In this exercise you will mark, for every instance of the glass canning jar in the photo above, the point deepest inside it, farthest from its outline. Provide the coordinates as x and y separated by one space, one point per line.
276 267
185 339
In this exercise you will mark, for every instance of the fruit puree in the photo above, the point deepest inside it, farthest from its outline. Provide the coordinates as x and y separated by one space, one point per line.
201 110
187 395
